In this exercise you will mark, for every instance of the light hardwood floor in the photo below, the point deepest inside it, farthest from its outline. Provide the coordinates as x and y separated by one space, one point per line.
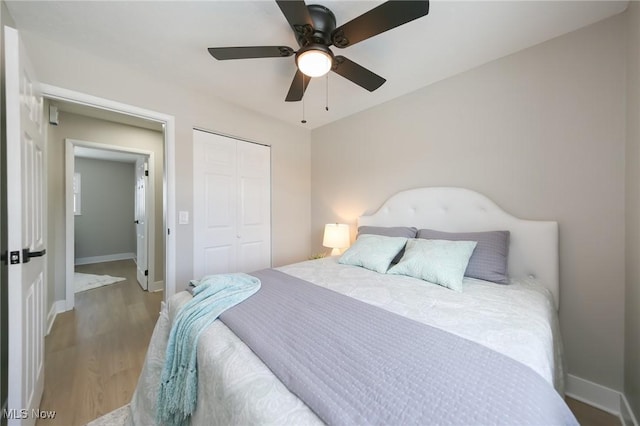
590 416
95 353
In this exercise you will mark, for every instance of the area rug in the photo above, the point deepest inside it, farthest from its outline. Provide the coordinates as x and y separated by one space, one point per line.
83 282
117 417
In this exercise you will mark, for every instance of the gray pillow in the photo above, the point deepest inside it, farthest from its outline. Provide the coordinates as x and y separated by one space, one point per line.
390 231
490 258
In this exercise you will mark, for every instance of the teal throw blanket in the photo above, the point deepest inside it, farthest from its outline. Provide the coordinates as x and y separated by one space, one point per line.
212 295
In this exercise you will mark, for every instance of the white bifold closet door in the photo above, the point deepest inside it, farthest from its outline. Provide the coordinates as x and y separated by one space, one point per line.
232 205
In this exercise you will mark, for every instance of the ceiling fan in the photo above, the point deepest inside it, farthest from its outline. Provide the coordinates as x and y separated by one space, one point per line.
315 30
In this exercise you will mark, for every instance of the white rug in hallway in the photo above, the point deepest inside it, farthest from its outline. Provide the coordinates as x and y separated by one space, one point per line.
84 282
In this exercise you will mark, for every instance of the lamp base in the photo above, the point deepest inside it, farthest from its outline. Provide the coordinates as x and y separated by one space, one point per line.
335 252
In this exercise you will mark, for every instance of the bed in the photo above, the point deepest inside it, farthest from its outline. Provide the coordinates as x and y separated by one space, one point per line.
518 321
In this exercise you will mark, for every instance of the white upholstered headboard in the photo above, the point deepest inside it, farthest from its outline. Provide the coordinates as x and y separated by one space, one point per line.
533 250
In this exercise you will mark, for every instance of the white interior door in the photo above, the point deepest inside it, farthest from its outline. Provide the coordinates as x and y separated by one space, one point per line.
26 232
254 212
214 210
232 205
141 223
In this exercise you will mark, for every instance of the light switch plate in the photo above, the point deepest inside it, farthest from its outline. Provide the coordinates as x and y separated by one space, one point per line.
183 218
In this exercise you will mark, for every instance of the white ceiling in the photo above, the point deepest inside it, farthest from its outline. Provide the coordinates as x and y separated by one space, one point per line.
170 40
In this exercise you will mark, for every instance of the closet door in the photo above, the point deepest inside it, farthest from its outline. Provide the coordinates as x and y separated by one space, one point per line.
214 204
254 207
232 205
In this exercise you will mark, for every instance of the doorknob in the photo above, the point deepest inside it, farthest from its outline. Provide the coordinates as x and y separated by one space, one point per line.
136 222
27 254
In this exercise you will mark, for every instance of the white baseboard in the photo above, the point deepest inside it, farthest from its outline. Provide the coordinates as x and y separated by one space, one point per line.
105 258
626 415
156 286
602 397
57 307
593 394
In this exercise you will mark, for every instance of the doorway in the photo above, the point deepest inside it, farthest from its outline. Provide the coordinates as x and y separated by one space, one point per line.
122 111
115 208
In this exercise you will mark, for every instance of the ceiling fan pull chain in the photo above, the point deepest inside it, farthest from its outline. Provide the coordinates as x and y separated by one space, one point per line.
326 107
303 121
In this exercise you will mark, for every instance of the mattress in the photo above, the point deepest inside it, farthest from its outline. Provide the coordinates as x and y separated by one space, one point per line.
235 387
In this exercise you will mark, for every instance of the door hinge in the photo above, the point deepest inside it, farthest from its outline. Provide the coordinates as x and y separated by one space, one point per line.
146 172
146 272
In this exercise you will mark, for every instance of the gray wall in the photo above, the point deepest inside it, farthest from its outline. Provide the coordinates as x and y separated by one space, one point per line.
541 132
90 129
105 226
632 295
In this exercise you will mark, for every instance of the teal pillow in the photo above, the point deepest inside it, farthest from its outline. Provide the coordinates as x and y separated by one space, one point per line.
373 252
437 261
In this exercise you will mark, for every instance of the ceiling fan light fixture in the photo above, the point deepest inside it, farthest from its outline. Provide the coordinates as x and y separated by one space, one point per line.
314 60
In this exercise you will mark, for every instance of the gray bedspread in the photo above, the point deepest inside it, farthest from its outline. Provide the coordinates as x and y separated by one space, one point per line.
354 363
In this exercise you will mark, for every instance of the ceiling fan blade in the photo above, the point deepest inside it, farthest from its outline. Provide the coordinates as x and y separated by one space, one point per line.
387 16
297 14
357 73
298 87
223 53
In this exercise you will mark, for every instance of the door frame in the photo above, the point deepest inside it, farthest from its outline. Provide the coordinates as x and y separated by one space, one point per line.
150 211
168 190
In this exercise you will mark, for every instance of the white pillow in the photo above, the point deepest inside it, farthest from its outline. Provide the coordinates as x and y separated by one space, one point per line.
440 262
373 252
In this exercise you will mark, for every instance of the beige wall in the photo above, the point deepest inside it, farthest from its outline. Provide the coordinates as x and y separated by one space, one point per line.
94 130
541 132
632 295
71 69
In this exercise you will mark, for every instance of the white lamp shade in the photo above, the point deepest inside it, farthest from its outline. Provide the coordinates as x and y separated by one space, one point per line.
314 63
336 235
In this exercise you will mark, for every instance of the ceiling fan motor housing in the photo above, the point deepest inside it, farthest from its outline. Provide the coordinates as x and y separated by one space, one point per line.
324 22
